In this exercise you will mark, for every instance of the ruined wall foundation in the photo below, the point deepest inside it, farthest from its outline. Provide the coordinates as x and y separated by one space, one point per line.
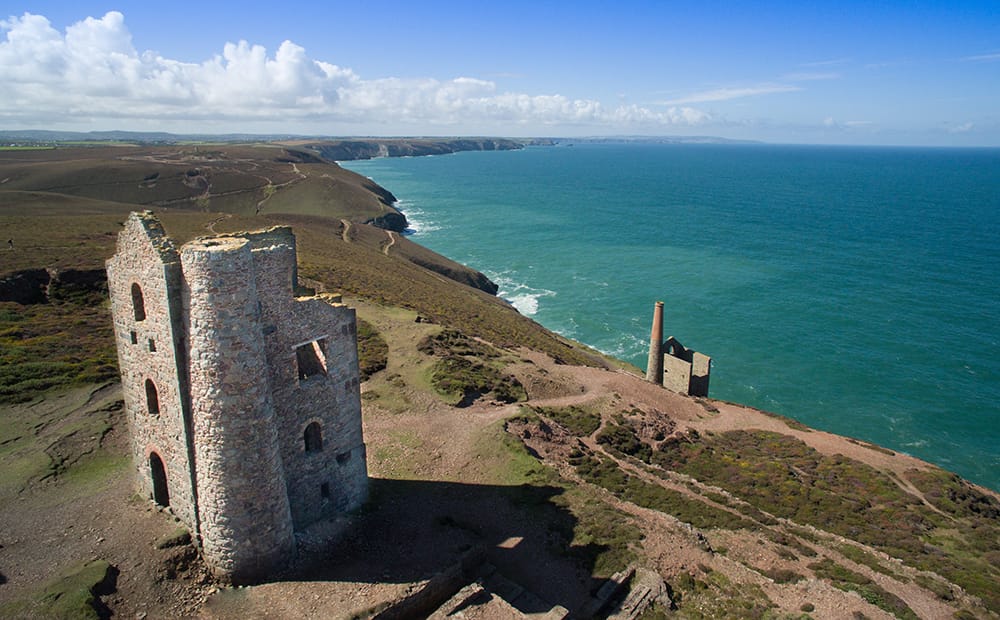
673 365
243 401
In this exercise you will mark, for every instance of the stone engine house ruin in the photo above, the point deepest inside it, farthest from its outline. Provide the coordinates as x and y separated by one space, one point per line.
243 401
674 366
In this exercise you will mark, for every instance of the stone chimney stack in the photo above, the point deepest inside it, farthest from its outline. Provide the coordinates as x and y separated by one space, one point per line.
654 367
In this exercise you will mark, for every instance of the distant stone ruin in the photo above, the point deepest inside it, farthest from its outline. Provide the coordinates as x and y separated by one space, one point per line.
674 366
243 401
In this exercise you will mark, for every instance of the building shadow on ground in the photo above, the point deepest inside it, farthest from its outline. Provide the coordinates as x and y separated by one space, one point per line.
412 530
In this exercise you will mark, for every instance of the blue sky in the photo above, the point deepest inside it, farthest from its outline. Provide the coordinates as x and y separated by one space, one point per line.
922 73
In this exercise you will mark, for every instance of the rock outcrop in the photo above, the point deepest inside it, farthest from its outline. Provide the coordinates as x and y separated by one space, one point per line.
346 150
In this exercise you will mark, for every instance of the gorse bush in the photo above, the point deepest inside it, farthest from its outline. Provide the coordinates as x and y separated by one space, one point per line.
622 437
789 479
54 345
466 380
579 421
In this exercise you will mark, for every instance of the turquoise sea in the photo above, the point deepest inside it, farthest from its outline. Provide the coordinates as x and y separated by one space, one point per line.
854 289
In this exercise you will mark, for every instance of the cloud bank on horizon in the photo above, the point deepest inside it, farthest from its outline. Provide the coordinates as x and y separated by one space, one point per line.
898 74
93 74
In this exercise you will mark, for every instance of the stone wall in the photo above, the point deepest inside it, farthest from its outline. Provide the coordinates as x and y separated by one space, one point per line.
676 374
685 370
151 349
241 369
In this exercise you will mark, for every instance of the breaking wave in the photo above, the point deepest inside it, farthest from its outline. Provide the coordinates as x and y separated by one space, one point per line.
418 222
523 297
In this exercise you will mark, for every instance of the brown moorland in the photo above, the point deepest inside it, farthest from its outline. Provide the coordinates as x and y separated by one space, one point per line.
556 464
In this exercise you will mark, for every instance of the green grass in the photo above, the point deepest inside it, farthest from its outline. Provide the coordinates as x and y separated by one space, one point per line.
54 346
713 595
600 537
866 559
373 352
451 342
782 575
69 596
850 581
462 380
605 473
467 369
60 440
96 470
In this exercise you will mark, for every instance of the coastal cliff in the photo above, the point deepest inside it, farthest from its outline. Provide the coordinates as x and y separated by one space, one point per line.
491 441
346 150
226 179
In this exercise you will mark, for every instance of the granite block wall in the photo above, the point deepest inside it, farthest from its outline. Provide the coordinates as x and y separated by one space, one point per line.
243 401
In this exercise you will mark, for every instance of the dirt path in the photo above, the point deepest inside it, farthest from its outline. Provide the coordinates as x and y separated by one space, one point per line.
210 227
442 481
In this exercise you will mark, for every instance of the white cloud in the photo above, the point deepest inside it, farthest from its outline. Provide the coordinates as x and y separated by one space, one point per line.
983 58
94 74
727 93
826 63
963 128
810 76
830 122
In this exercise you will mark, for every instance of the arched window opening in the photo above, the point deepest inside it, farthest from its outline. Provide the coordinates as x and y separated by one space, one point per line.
313 437
152 398
138 304
161 495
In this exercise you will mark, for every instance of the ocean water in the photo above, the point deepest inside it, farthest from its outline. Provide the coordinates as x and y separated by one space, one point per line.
854 289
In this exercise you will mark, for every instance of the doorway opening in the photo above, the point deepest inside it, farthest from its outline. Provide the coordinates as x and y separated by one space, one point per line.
159 474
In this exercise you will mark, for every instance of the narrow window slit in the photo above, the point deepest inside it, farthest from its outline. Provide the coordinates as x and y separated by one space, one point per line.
138 304
152 398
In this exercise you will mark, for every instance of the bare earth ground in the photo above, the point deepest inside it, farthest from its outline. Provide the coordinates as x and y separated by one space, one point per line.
441 484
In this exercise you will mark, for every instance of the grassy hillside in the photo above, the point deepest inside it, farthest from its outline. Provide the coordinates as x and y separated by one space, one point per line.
49 210
484 431
224 178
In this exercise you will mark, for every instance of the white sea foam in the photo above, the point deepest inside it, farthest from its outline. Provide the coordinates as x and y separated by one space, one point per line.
523 297
416 218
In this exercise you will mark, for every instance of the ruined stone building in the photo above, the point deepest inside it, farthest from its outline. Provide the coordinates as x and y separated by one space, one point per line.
243 401
674 366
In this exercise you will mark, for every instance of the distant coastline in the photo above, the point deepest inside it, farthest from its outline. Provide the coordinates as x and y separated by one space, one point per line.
338 148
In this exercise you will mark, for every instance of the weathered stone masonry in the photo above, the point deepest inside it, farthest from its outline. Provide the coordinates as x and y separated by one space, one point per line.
673 365
243 401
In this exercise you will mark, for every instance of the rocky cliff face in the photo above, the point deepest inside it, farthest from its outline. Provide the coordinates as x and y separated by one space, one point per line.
346 150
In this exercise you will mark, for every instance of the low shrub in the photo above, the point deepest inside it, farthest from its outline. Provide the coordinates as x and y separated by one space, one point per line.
577 420
373 352
466 380
624 439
